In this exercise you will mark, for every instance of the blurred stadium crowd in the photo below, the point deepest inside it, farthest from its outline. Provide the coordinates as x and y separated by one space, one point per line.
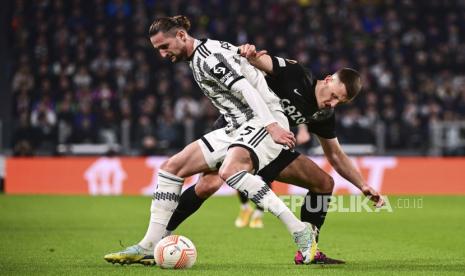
85 72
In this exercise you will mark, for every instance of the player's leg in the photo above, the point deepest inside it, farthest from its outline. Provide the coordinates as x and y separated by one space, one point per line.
193 197
236 170
305 173
214 146
256 219
292 167
169 183
245 211
252 150
189 202
165 199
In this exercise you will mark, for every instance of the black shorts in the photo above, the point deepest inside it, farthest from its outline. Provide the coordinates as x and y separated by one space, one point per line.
272 170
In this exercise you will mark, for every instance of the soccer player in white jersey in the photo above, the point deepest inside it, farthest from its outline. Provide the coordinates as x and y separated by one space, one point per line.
257 131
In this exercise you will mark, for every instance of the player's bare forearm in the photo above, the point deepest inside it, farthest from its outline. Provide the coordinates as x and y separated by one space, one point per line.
260 60
346 169
263 63
341 162
344 166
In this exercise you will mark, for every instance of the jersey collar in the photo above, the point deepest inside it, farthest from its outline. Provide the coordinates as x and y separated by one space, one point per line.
197 44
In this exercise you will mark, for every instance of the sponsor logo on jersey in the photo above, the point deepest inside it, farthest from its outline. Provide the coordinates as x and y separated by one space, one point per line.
292 113
322 114
225 45
297 92
221 72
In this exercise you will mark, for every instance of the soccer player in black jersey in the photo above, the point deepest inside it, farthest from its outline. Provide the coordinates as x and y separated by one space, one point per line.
309 101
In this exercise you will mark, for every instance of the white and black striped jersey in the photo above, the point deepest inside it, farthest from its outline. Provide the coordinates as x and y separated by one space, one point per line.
216 66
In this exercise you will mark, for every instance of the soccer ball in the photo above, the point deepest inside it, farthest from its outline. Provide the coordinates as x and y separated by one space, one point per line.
175 252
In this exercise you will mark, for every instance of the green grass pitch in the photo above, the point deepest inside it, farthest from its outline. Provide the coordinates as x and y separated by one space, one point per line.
68 235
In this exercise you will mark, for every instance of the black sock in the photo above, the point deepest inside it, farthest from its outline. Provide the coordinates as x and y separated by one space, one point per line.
314 209
189 203
243 198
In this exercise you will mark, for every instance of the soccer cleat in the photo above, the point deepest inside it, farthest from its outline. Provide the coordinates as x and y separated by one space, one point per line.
306 242
256 223
148 260
131 255
320 258
243 219
298 258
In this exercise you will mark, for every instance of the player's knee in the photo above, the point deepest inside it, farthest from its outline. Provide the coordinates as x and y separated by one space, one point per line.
238 159
172 165
206 189
328 184
228 170
225 172
324 186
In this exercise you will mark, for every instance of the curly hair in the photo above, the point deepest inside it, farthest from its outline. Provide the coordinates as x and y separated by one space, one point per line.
168 24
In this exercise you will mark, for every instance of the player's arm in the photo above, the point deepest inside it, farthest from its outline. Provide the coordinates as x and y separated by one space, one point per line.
258 105
303 135
260 60
344 166
275 66
233 79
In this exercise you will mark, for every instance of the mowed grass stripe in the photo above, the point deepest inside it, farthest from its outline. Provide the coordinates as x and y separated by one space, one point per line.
58 235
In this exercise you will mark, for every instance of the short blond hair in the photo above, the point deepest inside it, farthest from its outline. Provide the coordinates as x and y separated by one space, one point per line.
351 80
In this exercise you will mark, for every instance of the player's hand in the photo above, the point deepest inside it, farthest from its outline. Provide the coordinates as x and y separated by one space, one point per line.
250 52
281 136
373 195
303 136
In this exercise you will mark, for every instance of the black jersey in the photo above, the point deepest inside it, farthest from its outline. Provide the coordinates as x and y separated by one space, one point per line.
295 86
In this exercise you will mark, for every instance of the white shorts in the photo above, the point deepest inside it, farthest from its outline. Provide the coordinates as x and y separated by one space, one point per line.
251 135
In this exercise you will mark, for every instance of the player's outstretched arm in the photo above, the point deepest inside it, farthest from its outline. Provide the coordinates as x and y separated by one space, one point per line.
260 60
344 166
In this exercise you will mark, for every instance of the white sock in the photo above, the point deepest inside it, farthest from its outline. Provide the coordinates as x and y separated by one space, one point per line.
257 214
167 233
244 206
257 191
164 202
292 223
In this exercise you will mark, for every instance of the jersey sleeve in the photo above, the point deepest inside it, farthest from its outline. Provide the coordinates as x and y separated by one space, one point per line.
325 129
224 68
284 68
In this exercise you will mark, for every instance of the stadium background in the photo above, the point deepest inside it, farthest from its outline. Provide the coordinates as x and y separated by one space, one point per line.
80 78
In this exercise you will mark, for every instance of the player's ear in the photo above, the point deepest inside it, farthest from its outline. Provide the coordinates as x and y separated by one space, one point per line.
328 78
181 34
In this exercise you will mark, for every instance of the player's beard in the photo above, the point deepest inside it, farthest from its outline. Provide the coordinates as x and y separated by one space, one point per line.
182 56
174 59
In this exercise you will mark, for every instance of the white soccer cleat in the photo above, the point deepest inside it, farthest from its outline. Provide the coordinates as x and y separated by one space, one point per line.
306 241
131 255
